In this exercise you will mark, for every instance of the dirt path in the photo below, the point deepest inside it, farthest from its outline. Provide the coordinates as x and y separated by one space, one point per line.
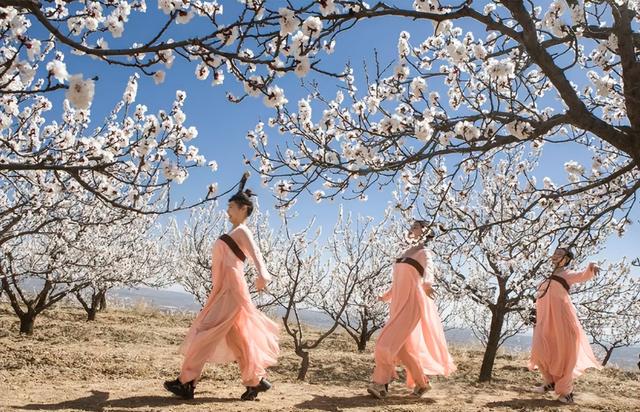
135 395
119 363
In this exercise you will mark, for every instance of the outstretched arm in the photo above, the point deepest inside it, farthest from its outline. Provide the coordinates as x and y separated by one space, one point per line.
573 277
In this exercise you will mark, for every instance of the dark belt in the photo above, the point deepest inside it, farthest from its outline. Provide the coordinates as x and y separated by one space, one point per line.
234 247
560 280
412 262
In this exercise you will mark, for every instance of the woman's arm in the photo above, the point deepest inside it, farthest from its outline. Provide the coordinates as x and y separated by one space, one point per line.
573 277
252 250
426 260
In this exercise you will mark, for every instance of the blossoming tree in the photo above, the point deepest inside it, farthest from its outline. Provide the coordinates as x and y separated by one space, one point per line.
551 73
361 254
609 309
498 267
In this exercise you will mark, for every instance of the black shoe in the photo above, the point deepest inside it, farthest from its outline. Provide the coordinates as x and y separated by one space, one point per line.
263 386
252 391
183 390
249 395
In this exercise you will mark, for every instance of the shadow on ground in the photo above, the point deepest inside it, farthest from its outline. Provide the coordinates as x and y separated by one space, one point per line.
338 403
98 401
525 404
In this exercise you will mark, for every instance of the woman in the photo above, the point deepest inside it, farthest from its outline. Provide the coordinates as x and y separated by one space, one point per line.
229 327
560 348
413 336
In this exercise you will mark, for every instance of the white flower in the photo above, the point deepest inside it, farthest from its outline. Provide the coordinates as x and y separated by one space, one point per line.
604 85
158 77
302 66
519 129
417 87
33 49
500 71
403 45
218 78
456 52
80 92
312 26
132 90
327 7
423 130
282 187
479 51
228 35
191 133
58 69
329 48
5 121
275 97
288 21
141 110
115 25
467 130
401 72
304 111
167 57
202 71
167 6
434 97
574 168
213 165
75 25
184 17
179 117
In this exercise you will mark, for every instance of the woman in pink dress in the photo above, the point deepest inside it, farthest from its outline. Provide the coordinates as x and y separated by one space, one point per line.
229 327
560 348
413 335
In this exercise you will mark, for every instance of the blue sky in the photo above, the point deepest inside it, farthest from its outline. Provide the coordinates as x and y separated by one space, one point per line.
222 126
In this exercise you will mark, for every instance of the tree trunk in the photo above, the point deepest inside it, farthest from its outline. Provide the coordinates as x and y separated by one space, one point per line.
362 344
91 314
364 337
497 320
607 355
304 364
26 323
103 301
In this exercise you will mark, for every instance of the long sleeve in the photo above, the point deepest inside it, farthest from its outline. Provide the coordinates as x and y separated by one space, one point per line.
251 249
572 277
423 256
215 269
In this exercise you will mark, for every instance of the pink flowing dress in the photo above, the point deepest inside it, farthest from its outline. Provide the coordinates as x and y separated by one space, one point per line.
229 327
413 336
560 348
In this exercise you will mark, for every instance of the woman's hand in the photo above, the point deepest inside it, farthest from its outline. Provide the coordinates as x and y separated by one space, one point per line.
428 290
261 284
594 267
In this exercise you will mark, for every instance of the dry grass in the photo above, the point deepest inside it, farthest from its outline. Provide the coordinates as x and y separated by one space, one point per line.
118 363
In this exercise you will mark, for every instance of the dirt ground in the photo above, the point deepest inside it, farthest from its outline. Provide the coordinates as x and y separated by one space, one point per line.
118 363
